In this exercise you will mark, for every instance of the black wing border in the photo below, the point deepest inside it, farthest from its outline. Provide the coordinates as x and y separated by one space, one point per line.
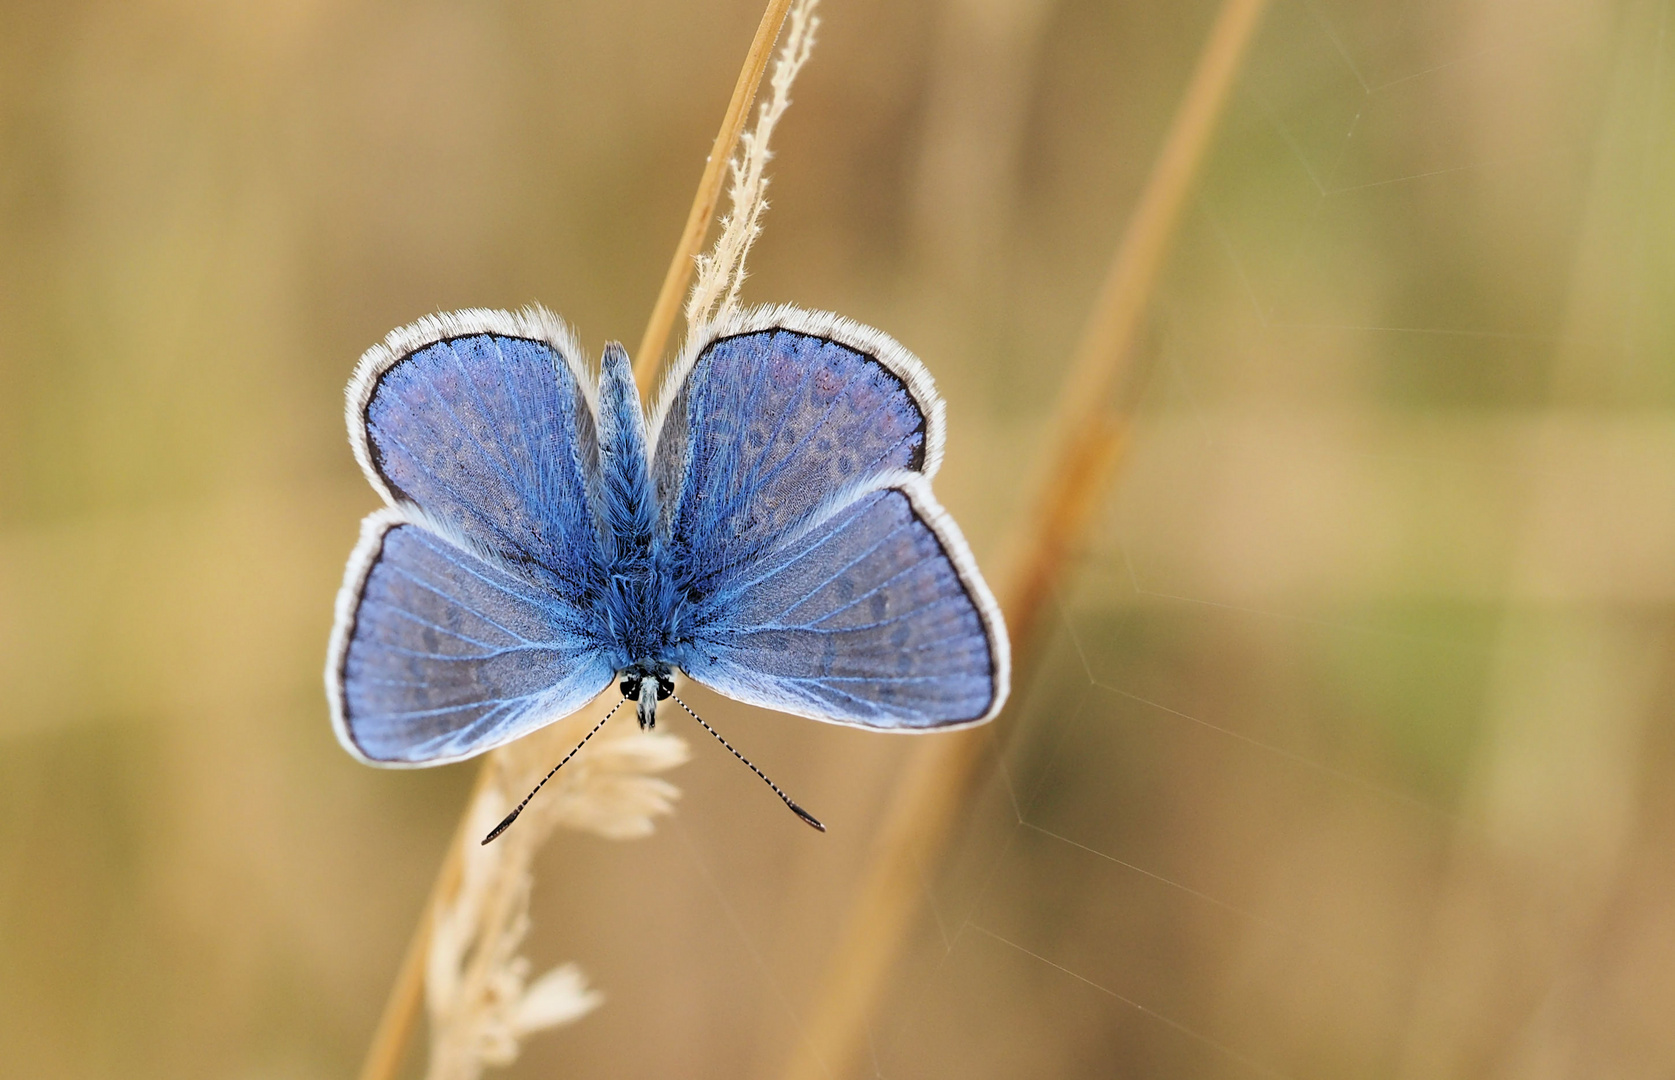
881 349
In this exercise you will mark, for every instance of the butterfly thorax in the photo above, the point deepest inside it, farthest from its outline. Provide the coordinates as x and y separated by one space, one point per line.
639 605
637 617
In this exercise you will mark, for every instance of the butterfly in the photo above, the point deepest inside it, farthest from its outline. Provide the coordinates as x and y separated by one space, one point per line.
769 531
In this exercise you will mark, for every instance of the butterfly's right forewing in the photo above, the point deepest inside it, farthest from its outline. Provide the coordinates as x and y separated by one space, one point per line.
793 455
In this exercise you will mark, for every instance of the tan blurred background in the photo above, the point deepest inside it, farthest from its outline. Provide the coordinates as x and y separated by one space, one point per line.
1351 751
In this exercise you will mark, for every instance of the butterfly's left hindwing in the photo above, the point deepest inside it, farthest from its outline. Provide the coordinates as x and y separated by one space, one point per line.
792 455
439 655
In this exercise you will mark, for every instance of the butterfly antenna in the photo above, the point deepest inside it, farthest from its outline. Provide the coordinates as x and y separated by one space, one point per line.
795 809
513 816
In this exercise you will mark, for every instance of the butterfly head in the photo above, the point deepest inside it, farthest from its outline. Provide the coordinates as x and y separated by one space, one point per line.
648 684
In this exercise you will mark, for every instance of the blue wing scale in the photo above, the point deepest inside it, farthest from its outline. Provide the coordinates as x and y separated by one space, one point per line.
463 618
442 655
862 618
793 456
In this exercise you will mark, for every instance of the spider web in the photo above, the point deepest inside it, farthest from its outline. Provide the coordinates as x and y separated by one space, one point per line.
1346 750
1342 756
1334 765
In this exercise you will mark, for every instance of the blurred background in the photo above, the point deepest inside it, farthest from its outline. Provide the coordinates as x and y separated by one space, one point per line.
1350 750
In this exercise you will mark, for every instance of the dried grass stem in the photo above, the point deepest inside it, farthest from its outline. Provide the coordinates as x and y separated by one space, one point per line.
721 273
401 1010
662 321
398 1019
927 801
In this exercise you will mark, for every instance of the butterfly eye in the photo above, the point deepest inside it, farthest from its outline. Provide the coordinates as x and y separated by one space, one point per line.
665 686
630 687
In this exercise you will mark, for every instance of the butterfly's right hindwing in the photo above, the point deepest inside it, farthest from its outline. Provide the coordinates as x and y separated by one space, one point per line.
864 619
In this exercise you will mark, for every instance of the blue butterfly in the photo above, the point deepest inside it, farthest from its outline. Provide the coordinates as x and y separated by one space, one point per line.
770 532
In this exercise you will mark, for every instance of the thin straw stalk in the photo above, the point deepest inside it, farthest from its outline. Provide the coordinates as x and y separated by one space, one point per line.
721 273
395 1025
662 321
397 1021
940 774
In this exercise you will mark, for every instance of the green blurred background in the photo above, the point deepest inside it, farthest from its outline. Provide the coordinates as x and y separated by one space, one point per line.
1350 753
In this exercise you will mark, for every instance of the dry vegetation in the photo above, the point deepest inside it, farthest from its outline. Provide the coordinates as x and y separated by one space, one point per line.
1348 751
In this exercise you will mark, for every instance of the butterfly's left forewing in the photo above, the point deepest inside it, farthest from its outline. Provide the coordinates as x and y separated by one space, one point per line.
466 614
793 457
481 421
